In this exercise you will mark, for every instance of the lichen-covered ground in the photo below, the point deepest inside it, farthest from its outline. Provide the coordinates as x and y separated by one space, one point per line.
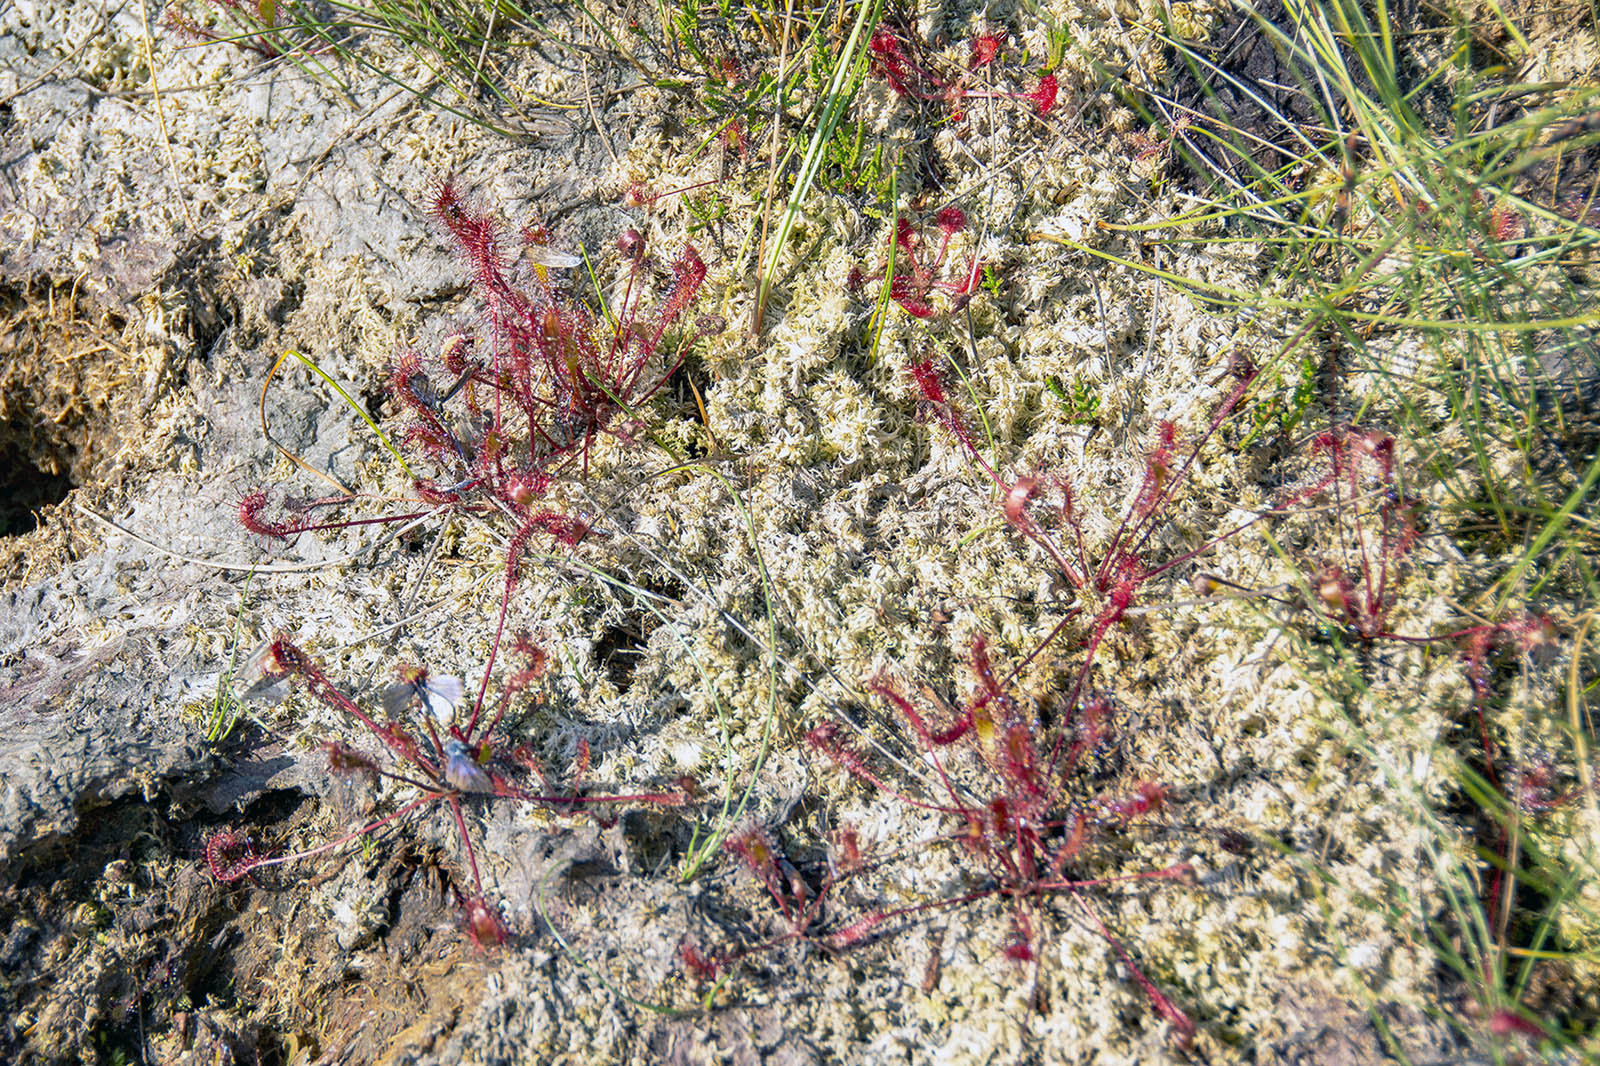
785 523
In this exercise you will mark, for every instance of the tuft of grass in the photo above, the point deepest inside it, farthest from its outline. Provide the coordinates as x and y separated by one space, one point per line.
225 706
1425 223
848 67
465 49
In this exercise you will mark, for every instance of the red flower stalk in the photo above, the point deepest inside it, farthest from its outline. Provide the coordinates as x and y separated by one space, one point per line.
348 763
760 856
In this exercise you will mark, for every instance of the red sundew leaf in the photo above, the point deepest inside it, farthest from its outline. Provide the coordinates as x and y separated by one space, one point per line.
855 932
846 854
1532 634
453 353
475 233
1018 497
431 493
984 49
252 518
1090 732
522 489
933 393
1019 946
569 531
484 926
983 670
902 293
906 708
404 379
825 738
1020 762
890 61
687 275
760 856
631 244
904 236
348 763
1150 797
1000 818
883 44
1505 224
701 967
929 381
229 855
970 285
532 653
1336 593
1043 95
1069 845
1157 471
1504 1023
401 742
958 729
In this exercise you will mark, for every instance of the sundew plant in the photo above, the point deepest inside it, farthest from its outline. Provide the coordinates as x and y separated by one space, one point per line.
519 407
522 407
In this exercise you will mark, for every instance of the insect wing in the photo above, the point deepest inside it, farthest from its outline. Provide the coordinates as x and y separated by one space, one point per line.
271 689
397 697
441 696
461 770
542 256
423 389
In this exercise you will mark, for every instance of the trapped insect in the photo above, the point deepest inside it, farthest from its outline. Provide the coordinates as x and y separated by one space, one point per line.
541 256
461 770
438 695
